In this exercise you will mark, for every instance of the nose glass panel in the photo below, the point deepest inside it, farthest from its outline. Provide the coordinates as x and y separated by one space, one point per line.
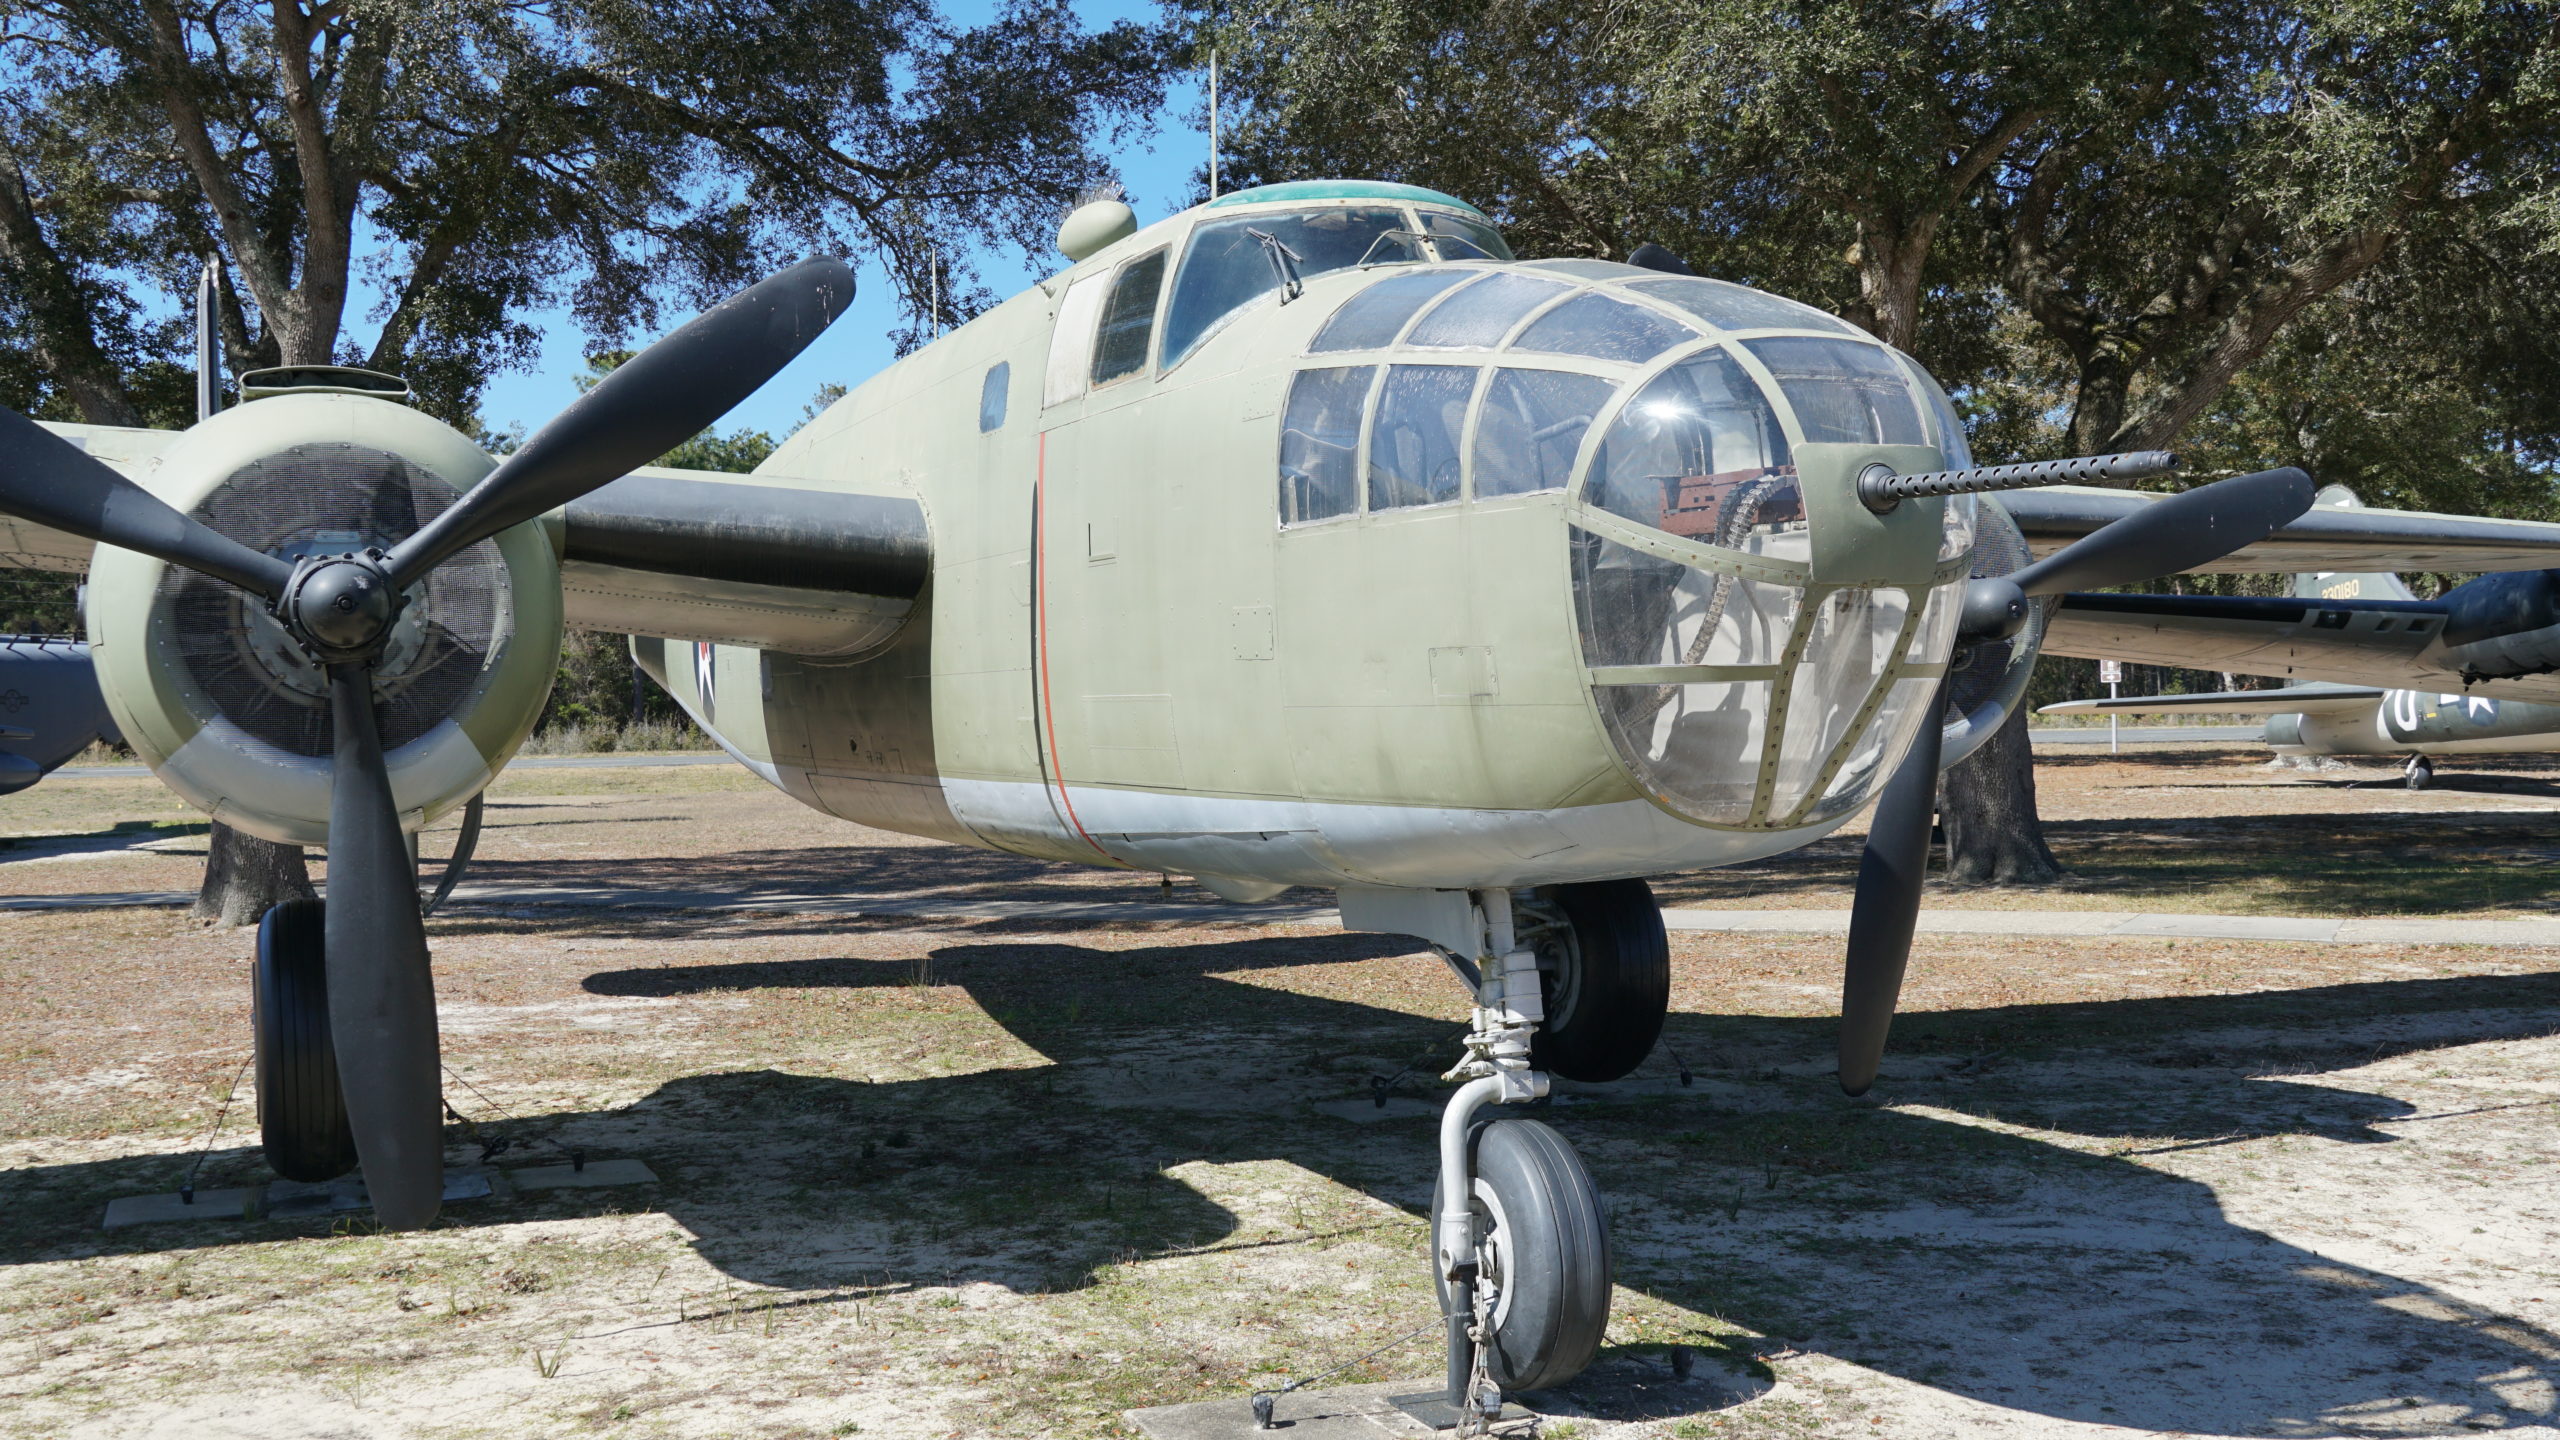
1737 691
1699 453
1684 659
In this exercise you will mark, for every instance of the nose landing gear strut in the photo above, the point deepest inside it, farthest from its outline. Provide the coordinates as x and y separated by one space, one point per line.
1520 1246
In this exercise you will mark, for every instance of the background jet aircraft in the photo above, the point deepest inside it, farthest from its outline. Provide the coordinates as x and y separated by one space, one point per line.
2469 672
1303 538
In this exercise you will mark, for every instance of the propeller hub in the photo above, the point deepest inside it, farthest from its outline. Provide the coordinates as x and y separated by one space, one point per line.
341 606
1994 609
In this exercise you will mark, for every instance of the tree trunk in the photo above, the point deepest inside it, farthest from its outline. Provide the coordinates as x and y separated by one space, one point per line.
245 877
1989 810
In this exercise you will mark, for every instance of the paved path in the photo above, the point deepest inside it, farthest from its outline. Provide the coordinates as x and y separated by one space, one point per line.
2082 924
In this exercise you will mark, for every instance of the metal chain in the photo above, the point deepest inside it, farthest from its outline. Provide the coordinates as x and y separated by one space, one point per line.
187 1186
490 1149
1472 1419
1263 1399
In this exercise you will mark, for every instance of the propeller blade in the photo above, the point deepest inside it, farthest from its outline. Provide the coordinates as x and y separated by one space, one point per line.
1887 906
382 998
658 400
51 481
2191 528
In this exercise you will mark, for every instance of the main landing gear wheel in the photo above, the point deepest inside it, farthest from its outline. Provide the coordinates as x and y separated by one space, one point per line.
1604 971
1541 1253
2421 770
302 1113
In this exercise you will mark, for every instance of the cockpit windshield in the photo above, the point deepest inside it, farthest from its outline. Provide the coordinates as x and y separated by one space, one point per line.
1463 239
1229 265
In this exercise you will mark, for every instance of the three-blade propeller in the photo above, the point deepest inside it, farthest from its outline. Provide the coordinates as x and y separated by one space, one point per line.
342 608
2195 527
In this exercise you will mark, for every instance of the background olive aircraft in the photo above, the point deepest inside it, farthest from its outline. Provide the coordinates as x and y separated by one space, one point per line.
50 708
1302 538
2467 673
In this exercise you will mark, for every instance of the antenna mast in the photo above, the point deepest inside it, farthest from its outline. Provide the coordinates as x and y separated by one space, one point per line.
1213 122
208 355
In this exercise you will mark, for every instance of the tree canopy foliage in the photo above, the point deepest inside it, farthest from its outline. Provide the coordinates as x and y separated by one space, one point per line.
470 162
2323 232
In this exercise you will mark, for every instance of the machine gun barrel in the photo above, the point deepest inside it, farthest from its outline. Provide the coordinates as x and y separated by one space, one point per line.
1881 489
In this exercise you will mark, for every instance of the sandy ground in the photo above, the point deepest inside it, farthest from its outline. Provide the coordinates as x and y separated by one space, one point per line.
1015 1179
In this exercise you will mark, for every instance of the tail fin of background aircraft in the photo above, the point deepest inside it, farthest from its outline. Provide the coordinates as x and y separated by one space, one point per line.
2328 585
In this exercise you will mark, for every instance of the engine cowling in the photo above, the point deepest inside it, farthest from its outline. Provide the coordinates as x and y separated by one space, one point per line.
1984 690
226 708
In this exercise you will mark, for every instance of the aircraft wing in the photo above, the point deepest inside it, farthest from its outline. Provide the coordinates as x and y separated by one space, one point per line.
764 560
2290 700
25 545
2325 538
2384 643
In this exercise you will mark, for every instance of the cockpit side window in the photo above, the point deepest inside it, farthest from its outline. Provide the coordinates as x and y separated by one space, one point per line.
1128 320
1531 427
1227 265
1320 443
991 395
1413 447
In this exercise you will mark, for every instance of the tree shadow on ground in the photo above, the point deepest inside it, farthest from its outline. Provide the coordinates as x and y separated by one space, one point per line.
2026 1275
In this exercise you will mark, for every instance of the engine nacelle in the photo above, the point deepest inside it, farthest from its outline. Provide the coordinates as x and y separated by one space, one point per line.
217 697
1985 690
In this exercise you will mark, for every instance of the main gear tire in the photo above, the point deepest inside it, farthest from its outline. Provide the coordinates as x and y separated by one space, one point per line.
1542 1254
1604 970
302 1112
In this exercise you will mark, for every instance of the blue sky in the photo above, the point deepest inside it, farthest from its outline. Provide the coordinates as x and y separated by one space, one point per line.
1156 168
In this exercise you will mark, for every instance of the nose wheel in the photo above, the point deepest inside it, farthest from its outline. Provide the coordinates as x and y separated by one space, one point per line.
2420 770
1539 1247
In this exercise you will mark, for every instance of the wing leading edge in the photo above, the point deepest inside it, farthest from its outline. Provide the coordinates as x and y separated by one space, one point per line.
2328 537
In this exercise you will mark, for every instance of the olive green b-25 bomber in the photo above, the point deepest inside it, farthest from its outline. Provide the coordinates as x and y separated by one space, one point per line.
1303 538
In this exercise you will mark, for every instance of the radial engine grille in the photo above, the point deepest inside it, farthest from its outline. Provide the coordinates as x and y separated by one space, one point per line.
328 499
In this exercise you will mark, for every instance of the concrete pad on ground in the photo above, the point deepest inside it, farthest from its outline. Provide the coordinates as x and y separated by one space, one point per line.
598 1174
276 1200
1355 1412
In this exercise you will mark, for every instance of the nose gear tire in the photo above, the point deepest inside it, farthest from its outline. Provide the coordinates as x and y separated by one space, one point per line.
1543 1244
302 1113
1606 979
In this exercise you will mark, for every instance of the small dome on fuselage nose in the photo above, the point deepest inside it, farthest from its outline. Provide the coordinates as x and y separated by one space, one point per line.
1740 687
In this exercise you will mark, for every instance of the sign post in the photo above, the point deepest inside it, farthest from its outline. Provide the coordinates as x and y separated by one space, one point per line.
2112 672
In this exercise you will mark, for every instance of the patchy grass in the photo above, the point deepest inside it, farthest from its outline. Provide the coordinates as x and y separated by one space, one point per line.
1015 1179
